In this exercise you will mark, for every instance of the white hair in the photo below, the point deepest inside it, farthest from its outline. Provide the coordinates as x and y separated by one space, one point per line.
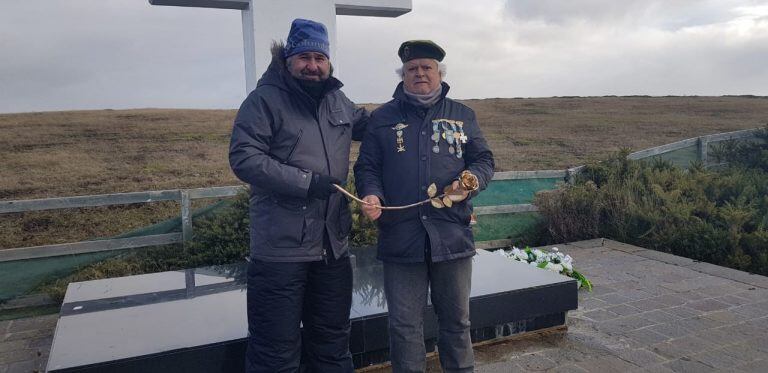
441 67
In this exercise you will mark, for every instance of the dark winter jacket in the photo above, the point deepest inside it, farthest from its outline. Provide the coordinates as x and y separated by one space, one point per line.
400 175
281 136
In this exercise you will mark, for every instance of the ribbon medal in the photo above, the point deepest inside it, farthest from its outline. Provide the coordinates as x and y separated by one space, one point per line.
448 132
461 138
452 133
399 132
436 136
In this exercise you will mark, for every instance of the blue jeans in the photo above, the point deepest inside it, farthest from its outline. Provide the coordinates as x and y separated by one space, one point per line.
405 286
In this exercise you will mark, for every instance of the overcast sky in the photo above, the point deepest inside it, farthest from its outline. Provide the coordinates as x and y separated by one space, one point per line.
96 54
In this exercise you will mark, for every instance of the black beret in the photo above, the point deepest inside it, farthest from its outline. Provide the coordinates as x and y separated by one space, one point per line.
413 49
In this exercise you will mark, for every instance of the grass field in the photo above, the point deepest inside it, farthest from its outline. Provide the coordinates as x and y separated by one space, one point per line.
56 154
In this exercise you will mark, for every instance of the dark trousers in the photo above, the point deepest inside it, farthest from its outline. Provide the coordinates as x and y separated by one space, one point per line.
405 286
281 296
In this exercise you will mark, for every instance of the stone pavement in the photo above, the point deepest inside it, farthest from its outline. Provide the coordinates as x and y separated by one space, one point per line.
25 343
649 312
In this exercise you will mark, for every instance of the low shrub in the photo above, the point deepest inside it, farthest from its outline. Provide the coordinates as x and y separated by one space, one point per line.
718 216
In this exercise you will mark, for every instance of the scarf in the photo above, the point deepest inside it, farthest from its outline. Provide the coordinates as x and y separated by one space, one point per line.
426 100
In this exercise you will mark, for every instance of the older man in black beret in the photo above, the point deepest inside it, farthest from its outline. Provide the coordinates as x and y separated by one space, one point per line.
420 138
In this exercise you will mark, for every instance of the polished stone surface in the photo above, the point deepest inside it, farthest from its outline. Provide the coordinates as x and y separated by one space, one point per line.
158 318
153 282
147 316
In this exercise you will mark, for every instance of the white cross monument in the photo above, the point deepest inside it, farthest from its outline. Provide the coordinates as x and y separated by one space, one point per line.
267 20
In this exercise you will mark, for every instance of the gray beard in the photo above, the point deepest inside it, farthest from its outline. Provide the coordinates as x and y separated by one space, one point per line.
427 100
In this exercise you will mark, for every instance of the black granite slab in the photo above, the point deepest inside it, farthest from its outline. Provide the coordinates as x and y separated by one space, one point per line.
195 321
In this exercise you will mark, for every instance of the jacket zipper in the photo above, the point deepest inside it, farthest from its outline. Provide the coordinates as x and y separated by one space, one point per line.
295 144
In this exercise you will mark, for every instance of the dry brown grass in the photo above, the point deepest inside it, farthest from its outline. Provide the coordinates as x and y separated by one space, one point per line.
91 152
57 154
553 133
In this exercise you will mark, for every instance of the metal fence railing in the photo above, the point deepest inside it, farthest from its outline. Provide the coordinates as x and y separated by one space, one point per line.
183 196
683 152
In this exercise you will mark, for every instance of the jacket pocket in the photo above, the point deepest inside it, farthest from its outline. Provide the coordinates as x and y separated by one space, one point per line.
286 225
340 123
460 213
337 117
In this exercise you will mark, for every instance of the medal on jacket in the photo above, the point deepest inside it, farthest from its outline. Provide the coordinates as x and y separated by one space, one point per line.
448 131
436 136
461 138
455 139
399 132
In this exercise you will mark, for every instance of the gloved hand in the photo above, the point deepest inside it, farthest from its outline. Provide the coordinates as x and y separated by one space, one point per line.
320 187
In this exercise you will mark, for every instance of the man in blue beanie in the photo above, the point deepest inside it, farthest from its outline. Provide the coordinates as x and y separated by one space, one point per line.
290 142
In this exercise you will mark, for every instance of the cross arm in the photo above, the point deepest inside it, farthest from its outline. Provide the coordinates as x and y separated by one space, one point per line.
373 8
219 4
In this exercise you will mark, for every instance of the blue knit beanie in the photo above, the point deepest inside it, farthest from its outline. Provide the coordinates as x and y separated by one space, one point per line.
307 36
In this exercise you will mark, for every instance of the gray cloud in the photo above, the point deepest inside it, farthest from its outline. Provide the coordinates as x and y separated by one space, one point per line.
97 54
91 54
655 13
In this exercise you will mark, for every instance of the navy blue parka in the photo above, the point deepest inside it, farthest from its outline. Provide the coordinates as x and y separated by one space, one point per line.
400 175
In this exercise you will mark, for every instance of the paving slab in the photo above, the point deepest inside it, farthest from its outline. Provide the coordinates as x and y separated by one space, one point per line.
731 274
717 359
589 244
734 300
670 300
623 309
659 316
644 337
606 364
25 366
754 294
658 368
641 357
759 366
665 257
596 315
573 368
536 362
686 365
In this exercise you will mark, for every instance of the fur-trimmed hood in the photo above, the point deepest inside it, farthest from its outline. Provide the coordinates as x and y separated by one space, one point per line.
277 72
278 51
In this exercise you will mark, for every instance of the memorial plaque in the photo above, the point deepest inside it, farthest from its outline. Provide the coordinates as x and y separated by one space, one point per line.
195 320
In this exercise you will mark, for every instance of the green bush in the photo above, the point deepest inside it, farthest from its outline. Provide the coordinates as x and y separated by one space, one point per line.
364 231
747 154
717 216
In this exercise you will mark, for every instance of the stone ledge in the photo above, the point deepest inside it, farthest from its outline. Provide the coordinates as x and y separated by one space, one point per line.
702 267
